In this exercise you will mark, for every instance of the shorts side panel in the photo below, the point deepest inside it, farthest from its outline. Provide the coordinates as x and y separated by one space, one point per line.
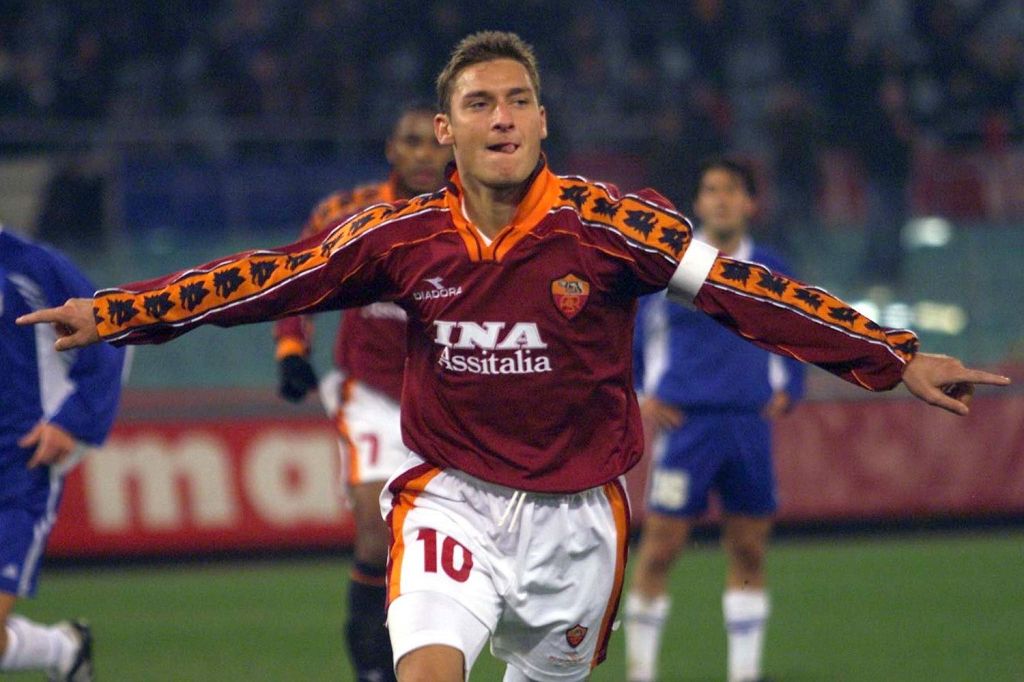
434 547
369 434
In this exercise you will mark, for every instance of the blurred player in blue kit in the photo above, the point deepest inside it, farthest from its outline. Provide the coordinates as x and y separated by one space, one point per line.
708 400
54 406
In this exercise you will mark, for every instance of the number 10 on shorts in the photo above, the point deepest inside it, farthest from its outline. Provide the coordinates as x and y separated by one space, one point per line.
429 537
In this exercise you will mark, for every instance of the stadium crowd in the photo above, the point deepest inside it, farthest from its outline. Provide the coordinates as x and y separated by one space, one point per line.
665 84
717 63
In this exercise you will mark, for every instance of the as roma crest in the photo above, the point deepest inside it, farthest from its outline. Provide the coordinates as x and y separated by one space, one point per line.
570 295
575 635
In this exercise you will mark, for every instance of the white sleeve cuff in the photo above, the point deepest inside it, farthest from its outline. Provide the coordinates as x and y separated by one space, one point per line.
692 271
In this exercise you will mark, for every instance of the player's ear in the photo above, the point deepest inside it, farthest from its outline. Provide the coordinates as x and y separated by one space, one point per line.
443 129
543 123
750 209
389 150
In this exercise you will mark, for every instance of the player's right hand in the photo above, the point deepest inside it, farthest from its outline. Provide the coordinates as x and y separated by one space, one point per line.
52 444
296 378
74 321
658 416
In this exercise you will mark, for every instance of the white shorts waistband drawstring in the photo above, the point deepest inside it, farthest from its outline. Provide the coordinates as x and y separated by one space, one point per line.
513 510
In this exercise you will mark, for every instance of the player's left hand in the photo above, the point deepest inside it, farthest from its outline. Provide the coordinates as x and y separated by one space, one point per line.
944 382
296 378
53 444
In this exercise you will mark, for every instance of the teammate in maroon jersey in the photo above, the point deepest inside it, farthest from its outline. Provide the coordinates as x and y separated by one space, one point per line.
509 521
361 395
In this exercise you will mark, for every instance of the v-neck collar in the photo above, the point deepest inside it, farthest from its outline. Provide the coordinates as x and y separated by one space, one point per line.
541 196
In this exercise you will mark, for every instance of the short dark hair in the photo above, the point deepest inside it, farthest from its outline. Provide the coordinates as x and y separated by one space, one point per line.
412 106
730 165
485 46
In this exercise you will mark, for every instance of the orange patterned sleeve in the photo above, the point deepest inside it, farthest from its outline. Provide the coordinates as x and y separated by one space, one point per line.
331 270
293 335
789 317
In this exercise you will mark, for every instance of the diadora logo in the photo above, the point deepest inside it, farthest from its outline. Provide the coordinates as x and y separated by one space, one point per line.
438 290
492 347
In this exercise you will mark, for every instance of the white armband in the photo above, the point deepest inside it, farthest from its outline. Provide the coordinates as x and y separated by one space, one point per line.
692 271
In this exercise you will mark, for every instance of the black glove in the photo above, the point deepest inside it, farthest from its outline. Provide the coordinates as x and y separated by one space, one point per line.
296 377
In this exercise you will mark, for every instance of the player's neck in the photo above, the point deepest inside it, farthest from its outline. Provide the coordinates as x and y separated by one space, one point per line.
404 192
728 243
491 209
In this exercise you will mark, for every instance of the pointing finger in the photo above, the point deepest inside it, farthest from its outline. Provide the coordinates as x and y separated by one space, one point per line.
976 376
40 316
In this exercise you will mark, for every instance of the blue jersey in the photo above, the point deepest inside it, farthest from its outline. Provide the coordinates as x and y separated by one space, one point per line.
77 390
686 359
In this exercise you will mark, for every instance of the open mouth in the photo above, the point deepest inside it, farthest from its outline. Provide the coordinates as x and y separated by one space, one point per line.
503 147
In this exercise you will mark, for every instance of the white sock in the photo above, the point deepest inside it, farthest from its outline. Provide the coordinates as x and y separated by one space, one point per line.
746 614
645 621
31 646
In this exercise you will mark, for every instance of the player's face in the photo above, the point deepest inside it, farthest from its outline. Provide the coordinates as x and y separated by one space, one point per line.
495 125
415 155
723 204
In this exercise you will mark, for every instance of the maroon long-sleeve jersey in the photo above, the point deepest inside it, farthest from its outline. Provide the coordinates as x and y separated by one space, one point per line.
518 367
370 343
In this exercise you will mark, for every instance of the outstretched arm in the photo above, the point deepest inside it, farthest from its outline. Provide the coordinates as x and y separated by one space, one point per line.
348 266
808 323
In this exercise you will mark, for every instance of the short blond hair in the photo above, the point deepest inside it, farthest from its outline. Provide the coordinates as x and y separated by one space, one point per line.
485 46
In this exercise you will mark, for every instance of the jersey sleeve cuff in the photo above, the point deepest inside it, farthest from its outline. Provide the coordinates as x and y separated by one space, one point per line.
693 269
290 346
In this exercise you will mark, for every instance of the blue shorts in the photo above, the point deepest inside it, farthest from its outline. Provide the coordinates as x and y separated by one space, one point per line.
729 452
28 510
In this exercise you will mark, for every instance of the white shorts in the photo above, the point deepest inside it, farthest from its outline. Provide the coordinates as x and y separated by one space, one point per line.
543 573
369 429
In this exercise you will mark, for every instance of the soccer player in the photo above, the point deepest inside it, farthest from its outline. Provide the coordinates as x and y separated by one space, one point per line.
708 399
363 393
53 407
509 521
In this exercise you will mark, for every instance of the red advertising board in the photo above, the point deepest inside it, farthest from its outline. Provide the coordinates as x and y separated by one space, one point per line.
868 460
901 458
202 486
246 484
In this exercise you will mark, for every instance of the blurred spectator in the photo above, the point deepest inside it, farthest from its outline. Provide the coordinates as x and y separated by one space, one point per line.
883 134
682 138
72 206
795 135
83 79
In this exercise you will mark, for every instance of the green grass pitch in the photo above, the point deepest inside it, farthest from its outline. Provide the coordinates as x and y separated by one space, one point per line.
935 608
